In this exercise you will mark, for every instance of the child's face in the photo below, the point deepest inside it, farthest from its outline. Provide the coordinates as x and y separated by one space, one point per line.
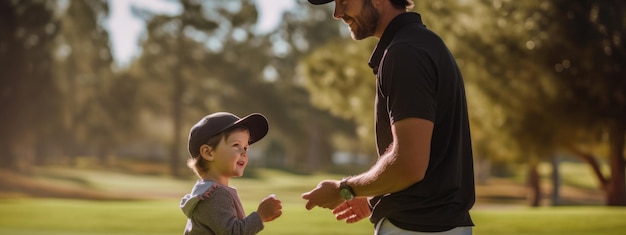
231 155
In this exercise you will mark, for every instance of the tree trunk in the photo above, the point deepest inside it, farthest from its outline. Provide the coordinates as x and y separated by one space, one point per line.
593 163
40 150
616 185
73 110
313 153
8 160
177 105
102 154
556 181
177 110
483 170
534 188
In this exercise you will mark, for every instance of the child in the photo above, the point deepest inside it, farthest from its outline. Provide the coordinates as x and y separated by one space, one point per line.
218 145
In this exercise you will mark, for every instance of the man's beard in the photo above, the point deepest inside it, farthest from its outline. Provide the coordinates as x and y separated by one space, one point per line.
366 22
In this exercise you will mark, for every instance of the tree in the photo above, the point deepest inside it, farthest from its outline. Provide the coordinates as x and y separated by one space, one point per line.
87 81
306 30
172 59
28 96
344 86
588 61
559 58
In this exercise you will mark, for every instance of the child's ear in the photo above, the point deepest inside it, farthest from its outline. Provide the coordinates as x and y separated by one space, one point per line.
207 152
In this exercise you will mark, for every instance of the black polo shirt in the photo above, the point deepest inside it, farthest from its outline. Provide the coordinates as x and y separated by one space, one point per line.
417 76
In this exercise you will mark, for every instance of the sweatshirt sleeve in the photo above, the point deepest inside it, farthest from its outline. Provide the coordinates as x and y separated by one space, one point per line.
219 213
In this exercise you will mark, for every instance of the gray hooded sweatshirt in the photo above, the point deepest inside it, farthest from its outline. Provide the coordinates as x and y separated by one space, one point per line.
213 208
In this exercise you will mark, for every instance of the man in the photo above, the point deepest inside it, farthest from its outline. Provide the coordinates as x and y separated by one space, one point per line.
423 180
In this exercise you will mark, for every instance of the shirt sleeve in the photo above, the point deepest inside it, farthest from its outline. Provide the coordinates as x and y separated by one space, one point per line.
409 78
219 213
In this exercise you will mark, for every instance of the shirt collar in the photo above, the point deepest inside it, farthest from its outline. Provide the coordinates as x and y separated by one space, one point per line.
389 33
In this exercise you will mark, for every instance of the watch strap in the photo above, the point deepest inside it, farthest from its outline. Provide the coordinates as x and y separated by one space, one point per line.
344 185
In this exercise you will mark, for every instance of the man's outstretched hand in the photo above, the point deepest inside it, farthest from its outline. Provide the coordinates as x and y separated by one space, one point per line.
325 195
353 210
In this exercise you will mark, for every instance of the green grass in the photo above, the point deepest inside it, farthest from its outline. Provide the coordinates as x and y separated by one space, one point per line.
54 216
161 215
66 216
554 220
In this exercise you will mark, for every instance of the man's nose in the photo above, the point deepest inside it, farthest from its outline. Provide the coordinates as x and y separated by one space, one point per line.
338 13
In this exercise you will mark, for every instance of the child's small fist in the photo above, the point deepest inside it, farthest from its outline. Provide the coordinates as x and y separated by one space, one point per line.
270 208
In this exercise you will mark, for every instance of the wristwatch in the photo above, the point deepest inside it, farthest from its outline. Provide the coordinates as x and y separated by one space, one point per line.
345 190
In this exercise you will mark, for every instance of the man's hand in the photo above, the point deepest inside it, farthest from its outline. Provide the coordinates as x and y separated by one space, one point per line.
325 195
353 210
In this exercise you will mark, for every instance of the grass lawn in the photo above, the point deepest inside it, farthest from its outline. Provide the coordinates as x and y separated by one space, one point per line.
155 217
155 211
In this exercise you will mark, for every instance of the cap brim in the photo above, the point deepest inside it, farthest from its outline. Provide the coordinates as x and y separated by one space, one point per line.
257 126
319 2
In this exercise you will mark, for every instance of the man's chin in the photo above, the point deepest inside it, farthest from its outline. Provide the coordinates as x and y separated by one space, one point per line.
357 37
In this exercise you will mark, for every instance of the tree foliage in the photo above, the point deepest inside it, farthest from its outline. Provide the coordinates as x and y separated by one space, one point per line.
555 67
84 71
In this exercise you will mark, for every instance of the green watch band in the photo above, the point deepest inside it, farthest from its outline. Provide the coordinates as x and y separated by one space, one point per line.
345 190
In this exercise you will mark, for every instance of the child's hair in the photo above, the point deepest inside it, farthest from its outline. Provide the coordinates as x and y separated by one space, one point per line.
200 165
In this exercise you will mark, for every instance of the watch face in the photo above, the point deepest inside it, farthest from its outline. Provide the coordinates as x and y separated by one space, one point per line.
345 193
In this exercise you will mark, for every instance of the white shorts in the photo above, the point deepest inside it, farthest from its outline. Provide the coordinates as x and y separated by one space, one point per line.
384 227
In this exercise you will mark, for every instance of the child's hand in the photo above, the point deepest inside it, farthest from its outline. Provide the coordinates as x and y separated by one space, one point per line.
270 208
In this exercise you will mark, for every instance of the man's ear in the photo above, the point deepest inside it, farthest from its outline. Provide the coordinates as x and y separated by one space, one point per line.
207 152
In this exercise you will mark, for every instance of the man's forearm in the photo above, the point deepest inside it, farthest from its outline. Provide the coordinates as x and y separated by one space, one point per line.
386 176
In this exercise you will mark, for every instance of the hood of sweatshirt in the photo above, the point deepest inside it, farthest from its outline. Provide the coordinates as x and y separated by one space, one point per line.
188 202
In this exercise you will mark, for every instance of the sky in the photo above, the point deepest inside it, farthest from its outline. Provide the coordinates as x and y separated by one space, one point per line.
125 29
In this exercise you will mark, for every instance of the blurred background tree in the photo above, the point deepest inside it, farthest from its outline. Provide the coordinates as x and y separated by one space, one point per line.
558 76
29 93
83 72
